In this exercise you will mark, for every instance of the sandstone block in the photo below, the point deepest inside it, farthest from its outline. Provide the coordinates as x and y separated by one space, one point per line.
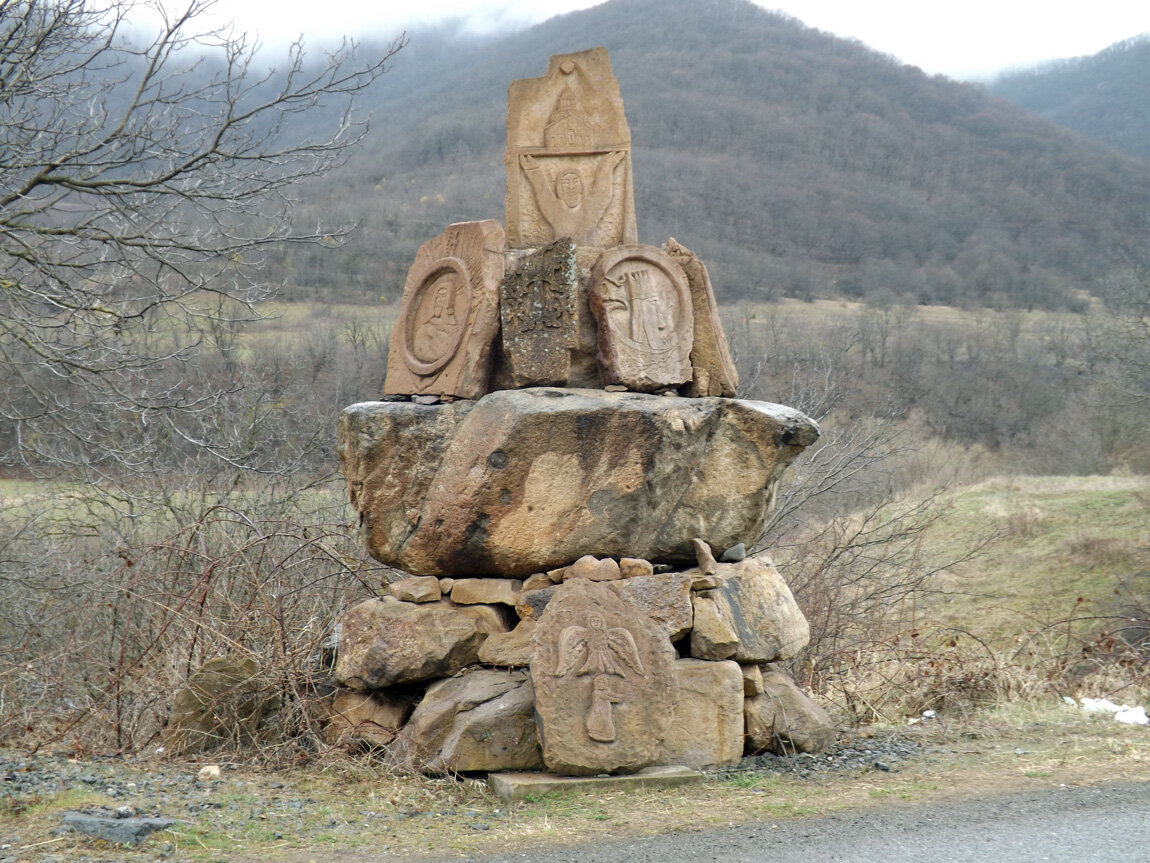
538 581
713 636
634 567
752 679
417 588
510 649
384 642
358 719
483 720
525 481
604 682
784 719
485 591
539 309
707 729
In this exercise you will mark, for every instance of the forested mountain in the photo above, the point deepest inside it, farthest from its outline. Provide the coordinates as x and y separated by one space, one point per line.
1105 96
794 162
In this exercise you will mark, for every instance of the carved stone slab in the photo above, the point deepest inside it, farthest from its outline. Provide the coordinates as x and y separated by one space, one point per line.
605 686
714 372
539 309
642 305
444 338
568 156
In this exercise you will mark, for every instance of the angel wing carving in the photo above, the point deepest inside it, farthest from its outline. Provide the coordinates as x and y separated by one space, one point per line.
595 649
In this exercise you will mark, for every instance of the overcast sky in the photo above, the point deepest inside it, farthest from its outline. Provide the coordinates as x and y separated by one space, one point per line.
960 38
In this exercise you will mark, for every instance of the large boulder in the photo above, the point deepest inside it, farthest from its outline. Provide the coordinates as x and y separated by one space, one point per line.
481 720
750 615
223 701
783 719
522 481
384 642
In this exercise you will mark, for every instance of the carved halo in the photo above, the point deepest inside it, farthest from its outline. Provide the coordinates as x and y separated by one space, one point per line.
427 280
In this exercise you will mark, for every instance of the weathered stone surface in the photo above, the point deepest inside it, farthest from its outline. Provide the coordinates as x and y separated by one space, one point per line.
224 700
416 588
663 599
539 309
384 642
593 569
634 567
568 156
714 372
756 606
713 637
752 679
537 581
523 481
707 728
510 649
485 591
642 306
480 720
604 683
783 719
358 719
704 556
444 339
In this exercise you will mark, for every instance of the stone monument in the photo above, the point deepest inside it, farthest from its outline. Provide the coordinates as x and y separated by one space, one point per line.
560 456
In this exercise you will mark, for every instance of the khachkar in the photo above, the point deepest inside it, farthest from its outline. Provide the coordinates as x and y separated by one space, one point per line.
557 459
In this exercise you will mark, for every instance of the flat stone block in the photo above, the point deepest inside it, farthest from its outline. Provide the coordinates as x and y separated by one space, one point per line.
513 787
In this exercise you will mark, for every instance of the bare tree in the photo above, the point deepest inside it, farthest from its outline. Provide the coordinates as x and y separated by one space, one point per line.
139 181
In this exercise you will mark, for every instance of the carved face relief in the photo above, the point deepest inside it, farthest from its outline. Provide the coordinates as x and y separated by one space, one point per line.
569 188
643 307
436 319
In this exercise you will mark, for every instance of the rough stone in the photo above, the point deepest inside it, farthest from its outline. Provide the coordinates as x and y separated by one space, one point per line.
384 642
752 679
362 719
444 339
121 831
714 372
524 481
635 567
756 605
704 556
537 582
510 649
568 156
735 553
224 700
485 591
416 588
604 682
712 637
539 310
592 569
707 729
784 719
482 720
642 306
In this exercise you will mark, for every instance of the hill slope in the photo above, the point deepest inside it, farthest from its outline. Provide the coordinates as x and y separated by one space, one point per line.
1104 96
794 162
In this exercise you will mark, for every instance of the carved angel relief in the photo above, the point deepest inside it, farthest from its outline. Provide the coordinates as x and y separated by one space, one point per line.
605 652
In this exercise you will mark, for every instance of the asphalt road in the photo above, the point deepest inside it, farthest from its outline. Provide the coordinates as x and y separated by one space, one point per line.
1108 823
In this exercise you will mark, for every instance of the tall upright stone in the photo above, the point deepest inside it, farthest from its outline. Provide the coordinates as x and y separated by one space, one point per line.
568 156
539 310
444 339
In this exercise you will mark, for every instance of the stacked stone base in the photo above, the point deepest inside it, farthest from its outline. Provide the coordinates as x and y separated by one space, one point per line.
604 666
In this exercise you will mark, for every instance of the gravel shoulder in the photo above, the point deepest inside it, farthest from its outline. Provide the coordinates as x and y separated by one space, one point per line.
351 811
